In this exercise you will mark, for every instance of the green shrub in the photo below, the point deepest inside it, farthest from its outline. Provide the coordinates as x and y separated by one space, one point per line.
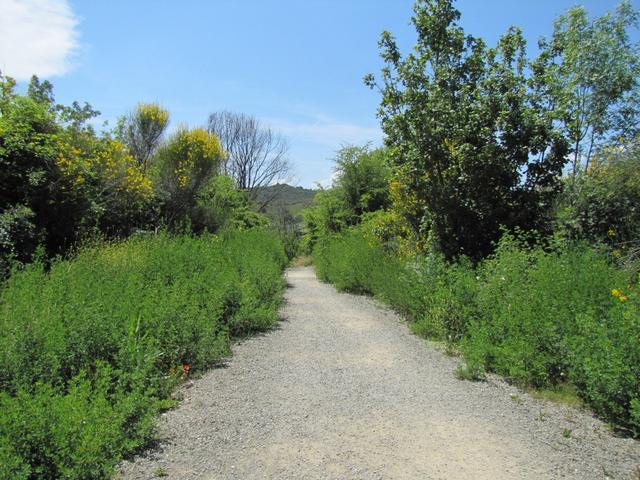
448 299
89 349
549 317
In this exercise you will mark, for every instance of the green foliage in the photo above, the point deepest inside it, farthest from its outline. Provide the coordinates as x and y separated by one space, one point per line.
462 126
360 187
89 349
542 316
61 184
588 72
220 205
362 175
557 316
19 236
602 204
75 183
329 214
77 434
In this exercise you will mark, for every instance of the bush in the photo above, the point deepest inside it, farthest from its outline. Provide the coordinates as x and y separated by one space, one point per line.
601 204
89 350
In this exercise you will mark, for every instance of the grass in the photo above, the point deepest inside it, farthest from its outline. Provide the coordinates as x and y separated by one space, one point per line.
565 394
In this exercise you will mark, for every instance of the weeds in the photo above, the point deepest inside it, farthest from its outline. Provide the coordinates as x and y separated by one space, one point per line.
91 350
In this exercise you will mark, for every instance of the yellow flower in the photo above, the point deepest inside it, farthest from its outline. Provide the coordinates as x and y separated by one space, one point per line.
616 293
611 232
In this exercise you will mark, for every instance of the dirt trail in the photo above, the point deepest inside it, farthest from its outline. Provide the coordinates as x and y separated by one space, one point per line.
342 390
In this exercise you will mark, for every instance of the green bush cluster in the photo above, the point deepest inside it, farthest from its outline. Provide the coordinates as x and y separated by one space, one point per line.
92 348
541 316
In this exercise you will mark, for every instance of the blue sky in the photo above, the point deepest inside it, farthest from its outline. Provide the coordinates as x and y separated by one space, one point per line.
295 64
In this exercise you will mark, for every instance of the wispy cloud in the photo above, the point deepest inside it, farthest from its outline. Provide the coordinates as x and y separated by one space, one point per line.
38 37
326 131
316 137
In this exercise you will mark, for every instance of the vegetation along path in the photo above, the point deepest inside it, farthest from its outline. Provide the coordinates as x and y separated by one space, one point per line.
342 389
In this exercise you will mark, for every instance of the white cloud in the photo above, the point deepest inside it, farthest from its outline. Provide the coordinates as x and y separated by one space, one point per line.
37 37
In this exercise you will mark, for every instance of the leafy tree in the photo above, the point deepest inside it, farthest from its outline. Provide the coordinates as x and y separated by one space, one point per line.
30 181
118 192
19 236
587 74
360 186
59 181
220 205
471 147
363 175
329 214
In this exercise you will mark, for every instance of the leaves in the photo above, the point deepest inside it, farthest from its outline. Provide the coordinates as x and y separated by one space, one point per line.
475 149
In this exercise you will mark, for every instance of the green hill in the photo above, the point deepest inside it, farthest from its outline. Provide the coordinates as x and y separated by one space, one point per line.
286 198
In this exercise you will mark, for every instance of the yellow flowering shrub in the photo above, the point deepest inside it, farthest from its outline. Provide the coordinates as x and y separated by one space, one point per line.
153 113
108 166
189 158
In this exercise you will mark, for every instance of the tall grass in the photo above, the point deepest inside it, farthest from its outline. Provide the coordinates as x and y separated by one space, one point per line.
89 349
541 317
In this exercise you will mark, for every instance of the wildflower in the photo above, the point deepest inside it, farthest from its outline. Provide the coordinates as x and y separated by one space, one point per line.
611 232
619 295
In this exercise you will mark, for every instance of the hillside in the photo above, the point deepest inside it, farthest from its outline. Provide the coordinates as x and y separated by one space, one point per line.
288 198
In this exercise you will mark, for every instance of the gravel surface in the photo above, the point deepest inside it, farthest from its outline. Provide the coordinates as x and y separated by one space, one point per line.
341 389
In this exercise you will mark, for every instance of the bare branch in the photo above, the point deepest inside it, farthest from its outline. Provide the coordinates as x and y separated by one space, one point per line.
256 156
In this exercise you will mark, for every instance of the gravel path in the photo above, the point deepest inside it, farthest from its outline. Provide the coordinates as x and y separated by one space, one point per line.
342 389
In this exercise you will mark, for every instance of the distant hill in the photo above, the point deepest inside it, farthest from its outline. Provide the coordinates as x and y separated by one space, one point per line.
291 199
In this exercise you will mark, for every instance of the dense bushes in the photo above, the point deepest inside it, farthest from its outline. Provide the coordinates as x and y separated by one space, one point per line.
601 204
540 316
62 183
89 349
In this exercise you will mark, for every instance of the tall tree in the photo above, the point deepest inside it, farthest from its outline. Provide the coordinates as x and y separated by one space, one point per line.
256 156
588 71
472 150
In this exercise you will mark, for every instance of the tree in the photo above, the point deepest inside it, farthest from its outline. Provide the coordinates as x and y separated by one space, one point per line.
363 175
328 214
142 131
220 205
256 156
472 149
588 73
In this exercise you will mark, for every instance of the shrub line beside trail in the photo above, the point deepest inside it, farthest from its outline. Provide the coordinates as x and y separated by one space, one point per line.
544 317
91 350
